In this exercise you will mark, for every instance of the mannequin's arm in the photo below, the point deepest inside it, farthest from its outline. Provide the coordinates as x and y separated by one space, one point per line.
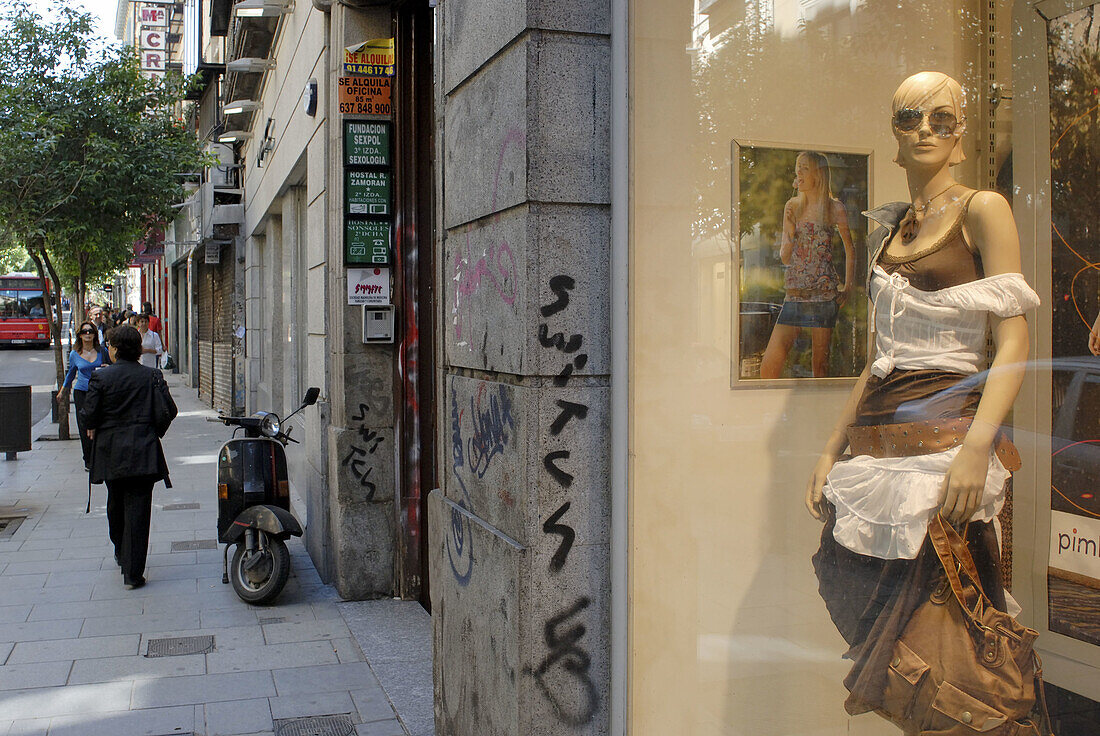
992 230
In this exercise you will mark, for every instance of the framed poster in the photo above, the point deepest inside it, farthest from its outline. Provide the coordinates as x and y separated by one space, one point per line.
800 306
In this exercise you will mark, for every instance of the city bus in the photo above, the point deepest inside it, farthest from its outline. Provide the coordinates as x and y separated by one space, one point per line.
24 310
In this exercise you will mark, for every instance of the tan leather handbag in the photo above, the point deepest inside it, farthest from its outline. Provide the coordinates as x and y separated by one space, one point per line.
961 667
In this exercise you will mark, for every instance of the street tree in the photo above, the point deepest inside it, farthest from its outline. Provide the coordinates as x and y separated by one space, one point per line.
90 147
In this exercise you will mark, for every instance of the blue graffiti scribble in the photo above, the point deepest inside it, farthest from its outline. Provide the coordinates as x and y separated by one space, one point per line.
460 550
492 420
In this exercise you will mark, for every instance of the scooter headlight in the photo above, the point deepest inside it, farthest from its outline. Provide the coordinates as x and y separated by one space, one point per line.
269 425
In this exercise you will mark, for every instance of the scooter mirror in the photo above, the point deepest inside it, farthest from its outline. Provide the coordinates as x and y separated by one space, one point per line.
311 396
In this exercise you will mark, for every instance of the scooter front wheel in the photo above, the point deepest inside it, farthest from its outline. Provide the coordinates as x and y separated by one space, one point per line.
259 576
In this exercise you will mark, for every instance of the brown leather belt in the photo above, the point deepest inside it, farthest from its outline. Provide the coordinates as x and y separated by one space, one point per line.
923 438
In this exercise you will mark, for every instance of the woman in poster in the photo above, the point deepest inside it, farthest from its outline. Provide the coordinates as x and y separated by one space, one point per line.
813 291
945 269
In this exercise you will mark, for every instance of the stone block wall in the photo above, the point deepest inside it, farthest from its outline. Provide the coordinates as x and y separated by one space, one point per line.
519 532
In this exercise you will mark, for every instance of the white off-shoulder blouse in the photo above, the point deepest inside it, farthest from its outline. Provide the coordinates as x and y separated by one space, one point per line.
883 505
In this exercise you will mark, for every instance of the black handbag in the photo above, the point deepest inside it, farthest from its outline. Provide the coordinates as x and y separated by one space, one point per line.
164 409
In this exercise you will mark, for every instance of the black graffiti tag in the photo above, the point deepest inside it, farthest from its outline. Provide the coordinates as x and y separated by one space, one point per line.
569 410
356 462
548 462
551 526
561 286
568 661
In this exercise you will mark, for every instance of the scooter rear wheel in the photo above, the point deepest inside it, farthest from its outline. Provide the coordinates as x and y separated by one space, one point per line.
259 577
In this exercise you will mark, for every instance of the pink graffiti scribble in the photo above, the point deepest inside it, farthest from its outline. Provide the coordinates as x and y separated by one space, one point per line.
497 267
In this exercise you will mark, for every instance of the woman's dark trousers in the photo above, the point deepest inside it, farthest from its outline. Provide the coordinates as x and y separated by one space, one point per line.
85 441
129 505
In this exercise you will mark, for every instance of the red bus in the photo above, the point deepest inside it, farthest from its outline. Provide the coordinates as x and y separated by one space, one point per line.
24 310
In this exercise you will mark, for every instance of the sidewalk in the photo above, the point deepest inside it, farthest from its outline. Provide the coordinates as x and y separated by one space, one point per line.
75 645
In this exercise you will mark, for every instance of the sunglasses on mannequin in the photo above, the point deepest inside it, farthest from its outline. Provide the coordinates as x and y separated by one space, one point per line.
942 123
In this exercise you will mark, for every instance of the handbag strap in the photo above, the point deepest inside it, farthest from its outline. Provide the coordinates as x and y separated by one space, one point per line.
955 558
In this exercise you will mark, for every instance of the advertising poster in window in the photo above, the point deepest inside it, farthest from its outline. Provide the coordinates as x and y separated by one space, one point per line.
1073 575
801 306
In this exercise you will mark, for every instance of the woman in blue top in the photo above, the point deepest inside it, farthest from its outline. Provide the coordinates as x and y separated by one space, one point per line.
83 359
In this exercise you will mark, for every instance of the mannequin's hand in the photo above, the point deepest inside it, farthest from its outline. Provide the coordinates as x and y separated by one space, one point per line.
1094 337
815 502
964 484
842 294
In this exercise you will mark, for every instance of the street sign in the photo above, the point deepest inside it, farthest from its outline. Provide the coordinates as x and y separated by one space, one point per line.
366 143
373 58
367 192
369 286
365 96
367 242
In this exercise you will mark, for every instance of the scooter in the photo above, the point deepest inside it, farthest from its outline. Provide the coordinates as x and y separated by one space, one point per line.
254 503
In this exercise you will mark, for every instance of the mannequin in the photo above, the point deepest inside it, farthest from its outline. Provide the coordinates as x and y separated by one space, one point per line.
944 269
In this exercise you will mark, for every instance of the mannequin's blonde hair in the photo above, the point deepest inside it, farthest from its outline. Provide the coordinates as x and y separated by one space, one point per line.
922 86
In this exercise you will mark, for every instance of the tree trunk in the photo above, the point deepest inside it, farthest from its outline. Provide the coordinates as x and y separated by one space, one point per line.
42 264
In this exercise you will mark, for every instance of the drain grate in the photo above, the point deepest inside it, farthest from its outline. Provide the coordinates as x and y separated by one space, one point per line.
8 525
192 545
273 620
180 507
337 725
176 646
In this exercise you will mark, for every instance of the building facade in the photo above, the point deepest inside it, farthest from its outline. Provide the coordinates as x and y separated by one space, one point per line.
561 431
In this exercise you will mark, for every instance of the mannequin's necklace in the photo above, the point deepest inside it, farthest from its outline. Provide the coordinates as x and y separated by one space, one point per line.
910 224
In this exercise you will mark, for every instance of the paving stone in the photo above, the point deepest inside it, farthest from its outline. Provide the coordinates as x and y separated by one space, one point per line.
13 614
39 674
347 650
86 609
61 649
38 594
271 657
324 678
29 727
306 631
40 631
372 704
202 689
78 699
237 717
311 704
136 624
166 590
109 669
149 722
22 582
381 728
32 555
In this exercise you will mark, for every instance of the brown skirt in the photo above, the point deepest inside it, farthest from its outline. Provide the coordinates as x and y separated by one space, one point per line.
870 600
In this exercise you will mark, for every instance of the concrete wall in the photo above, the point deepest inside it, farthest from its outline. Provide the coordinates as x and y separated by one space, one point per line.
519 532
362 464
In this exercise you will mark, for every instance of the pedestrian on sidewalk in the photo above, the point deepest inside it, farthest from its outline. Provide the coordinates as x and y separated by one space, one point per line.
154 320
84 358
127 406
151 346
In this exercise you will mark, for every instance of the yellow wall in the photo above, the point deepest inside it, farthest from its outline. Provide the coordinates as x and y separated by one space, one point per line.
728 635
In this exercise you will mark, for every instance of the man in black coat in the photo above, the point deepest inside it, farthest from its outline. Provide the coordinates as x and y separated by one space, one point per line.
122 412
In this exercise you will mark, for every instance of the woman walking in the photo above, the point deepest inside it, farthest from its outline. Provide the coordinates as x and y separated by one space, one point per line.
126 402
84 358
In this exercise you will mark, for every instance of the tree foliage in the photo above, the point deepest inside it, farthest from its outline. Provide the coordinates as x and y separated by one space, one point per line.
89 148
